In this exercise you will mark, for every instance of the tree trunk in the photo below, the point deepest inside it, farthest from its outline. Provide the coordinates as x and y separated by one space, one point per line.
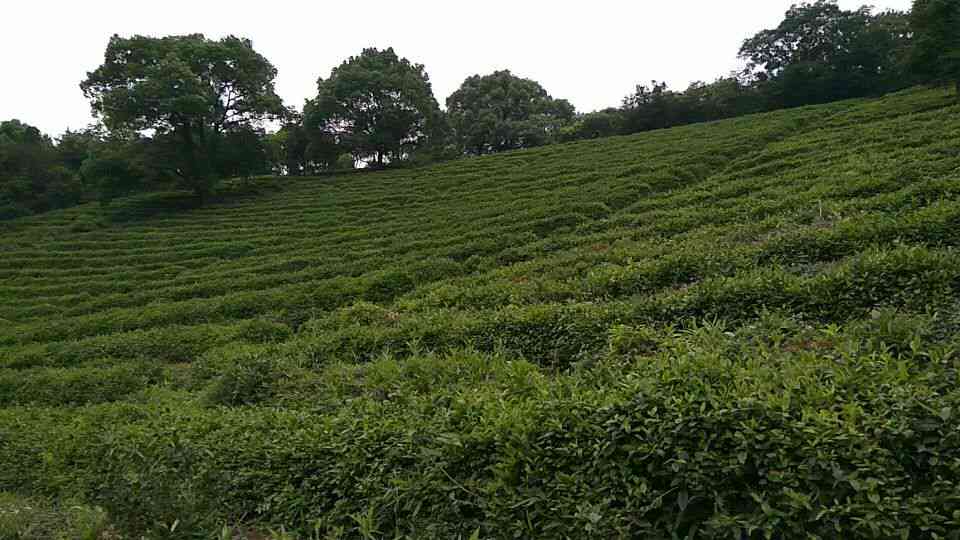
192 174
189 152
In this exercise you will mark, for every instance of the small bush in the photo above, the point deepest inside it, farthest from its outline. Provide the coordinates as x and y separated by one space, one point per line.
631 341
247 381
36 519
263 331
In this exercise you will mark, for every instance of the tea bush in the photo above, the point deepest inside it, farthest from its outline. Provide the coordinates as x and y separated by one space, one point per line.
739 329
36 519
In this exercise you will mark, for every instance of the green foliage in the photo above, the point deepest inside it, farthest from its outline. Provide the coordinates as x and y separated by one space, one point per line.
247 381
593 125
935 55
239 152
113 170
742 329
627 340
32 178
379 105
501 111
306 144
817 54
36 519
821 53
58 386
345 162
189 111
188 89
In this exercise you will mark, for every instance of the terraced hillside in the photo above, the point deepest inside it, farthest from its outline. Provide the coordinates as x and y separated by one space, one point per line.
744 329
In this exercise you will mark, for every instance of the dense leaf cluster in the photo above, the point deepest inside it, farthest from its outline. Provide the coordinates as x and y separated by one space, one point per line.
744 329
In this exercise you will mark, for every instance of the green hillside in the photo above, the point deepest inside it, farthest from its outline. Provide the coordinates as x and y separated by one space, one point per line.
742 329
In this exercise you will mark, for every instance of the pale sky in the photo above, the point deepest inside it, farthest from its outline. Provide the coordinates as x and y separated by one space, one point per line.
590 52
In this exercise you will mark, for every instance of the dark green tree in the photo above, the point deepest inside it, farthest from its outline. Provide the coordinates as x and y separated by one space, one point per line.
593 125
286 146
378 106
189 88
820 53
935 56
32 178
726 97
17 132
809 33
658 107
276 146
74 147
240 152
653 107
501 111
122 163
115 169
320 140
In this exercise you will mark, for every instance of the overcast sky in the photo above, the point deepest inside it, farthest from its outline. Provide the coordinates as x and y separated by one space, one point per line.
590 52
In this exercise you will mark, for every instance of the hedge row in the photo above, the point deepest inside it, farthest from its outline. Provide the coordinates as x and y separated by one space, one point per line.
688 442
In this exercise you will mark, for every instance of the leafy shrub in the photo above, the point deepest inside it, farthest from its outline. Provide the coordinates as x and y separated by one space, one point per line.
560 223
388 285
36 519
744 329
53 387
263 331
247 381
628 341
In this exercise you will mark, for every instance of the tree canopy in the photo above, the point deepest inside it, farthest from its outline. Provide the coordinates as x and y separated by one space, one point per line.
190 87
32 178
936 51
380 106
501 111
820 52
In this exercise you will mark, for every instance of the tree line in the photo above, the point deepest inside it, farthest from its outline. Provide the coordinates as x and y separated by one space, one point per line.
186 110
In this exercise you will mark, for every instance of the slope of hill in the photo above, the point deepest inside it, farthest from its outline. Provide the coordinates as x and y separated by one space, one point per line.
738 329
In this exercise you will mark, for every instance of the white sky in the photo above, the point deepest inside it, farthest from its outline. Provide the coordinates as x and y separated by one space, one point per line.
590 52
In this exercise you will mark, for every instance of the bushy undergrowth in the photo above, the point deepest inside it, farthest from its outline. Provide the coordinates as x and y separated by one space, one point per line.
744 329
37 519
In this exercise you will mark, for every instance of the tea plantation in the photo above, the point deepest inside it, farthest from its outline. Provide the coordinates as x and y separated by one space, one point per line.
742 329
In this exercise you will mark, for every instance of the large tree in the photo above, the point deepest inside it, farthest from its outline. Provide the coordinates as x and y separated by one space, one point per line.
820 52
190 89
377 105
809 32
501 111
936 50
